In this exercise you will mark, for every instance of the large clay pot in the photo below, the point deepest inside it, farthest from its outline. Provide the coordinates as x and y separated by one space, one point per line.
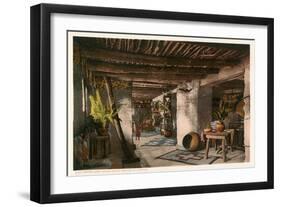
220 127
191 141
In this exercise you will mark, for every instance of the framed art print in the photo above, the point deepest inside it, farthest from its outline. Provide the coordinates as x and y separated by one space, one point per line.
132 103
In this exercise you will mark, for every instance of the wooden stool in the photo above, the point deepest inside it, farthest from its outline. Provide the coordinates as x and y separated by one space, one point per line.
216 136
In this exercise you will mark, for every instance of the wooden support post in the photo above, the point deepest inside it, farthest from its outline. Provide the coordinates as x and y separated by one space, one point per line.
207 148
223 149
129 154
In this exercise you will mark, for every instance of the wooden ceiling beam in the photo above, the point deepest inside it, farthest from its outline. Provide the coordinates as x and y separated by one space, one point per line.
145 95
153 81
151 85
111 56
170 83
150 94
123 69
225 74
151 77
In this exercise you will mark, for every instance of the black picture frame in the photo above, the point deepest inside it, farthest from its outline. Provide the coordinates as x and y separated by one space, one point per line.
41 96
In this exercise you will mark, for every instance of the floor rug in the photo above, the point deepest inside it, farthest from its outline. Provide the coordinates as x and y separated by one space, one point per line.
192 158
161 141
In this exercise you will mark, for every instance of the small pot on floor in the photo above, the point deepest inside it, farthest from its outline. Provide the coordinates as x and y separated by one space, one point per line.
168 133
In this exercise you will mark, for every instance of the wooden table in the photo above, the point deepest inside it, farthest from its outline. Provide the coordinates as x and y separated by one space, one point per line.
216 136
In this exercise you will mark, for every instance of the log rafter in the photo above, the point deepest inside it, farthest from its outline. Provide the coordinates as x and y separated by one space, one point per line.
111 56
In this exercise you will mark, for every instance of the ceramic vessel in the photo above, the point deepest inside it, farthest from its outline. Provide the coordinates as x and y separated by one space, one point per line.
220 127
